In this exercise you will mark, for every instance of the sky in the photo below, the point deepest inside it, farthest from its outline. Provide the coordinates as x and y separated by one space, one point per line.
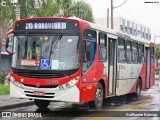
147 14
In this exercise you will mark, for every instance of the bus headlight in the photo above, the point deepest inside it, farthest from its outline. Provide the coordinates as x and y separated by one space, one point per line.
16 83
11 79
61 87
69 84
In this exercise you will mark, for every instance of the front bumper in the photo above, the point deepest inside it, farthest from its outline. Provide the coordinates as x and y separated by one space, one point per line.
51 94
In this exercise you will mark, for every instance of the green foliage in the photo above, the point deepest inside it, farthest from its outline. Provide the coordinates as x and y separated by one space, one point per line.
4 89
2 77
7 11
27 8
7 17
157 72
61 8
158 51
82 10
64 6
49 8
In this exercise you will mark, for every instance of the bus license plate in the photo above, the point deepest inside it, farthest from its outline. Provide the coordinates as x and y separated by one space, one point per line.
38 93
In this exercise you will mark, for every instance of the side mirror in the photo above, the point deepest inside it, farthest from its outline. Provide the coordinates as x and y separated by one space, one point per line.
9 42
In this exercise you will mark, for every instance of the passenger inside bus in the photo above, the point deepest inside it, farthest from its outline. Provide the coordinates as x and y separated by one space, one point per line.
89 45
34 50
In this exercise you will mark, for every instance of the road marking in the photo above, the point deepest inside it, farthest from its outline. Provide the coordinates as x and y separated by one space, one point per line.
134 107
96 118
141 104
127 109
148 96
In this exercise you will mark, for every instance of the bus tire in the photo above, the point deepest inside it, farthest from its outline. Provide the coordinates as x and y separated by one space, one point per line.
99 97
138 88
42 104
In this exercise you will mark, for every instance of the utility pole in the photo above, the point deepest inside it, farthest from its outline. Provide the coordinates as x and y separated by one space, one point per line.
108 18
111 14
112 26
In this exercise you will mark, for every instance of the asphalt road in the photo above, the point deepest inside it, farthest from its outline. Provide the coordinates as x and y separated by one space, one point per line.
117 108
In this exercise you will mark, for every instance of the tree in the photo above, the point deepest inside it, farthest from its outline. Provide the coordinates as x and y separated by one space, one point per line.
7 17
158 51
81 9
49 8
26 8
61 8
64 7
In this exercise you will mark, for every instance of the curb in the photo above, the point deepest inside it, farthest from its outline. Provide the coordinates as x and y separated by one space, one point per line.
23 104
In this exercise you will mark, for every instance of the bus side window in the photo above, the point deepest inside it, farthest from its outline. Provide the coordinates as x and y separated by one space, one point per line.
134 52
88 49
102 47
121 50
128 51
141 53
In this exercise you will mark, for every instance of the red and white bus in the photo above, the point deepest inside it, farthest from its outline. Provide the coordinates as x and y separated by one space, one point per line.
72 60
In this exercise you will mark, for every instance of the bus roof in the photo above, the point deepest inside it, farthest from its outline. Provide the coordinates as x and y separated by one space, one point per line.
93 26
118 33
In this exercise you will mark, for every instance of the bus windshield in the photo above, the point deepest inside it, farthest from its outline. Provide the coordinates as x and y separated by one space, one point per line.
46 52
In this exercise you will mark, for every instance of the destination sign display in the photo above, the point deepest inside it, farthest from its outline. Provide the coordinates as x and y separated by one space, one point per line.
56 25
47 25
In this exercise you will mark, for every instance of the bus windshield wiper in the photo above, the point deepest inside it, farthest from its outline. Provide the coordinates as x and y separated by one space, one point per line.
53 47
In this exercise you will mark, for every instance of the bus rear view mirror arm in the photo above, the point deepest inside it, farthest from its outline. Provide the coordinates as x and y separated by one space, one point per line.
9 39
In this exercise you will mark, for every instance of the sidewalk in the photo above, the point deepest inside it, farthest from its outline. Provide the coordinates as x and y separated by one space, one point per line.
6 102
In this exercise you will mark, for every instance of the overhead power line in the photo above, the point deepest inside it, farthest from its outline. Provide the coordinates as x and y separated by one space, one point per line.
126 11
120 4
153 29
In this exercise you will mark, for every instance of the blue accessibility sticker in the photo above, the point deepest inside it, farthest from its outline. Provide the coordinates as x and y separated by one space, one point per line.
45 64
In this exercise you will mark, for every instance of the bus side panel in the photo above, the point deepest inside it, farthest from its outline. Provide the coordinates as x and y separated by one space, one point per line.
127 81
133 89
87 91
123 78
90 81
152 79
140 72
142 75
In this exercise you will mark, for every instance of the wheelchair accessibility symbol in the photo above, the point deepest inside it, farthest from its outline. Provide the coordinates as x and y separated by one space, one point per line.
45 64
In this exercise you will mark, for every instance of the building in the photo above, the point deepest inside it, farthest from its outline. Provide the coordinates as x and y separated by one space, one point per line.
127 26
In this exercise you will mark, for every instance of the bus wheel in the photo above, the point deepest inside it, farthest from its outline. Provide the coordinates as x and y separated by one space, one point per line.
138 88
98 100
42 104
